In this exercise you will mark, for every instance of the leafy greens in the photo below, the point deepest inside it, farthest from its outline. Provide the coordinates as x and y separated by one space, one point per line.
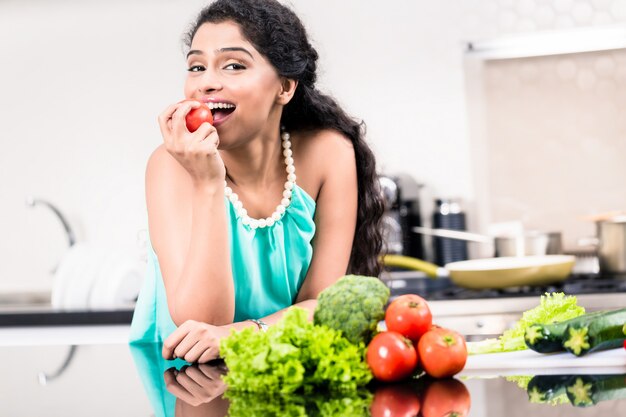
348 404
294 355
553 308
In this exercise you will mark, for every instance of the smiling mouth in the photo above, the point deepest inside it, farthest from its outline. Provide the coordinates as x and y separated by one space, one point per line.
221 110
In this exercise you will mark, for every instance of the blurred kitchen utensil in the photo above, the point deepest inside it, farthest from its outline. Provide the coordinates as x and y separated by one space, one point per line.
448 215
612 245
97 277
511 271
529 243
609 242
500 272
407 262
400 193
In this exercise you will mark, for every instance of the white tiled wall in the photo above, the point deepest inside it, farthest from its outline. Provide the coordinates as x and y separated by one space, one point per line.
102 71
556 136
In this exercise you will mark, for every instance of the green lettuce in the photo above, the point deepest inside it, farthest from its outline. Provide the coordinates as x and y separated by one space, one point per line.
349 404
553 308
294 355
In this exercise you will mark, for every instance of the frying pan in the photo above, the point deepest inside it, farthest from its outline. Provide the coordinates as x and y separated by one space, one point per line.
530 242
495 273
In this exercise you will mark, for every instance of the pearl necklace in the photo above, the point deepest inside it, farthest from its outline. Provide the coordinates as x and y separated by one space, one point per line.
242 213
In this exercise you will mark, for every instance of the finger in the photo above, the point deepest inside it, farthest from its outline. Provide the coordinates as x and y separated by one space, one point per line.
198 376
209 355
179 124
190 385
193 354
164 120
211 371
179 391
185 348
173 340
169 376
207 133
200 386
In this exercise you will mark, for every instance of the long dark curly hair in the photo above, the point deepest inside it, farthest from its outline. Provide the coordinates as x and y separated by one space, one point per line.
278 34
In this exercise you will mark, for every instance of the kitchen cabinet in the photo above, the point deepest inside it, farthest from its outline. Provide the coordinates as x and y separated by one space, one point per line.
106 379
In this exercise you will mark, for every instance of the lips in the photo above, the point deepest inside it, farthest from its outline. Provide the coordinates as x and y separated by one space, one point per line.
221 109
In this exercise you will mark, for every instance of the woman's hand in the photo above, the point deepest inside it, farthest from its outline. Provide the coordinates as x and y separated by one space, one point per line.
196 385
196 152
195 341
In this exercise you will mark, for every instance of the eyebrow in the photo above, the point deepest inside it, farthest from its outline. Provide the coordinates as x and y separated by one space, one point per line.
221 50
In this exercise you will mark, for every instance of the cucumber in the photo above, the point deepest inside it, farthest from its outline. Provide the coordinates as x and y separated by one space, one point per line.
606 331
546 388
588 390
547 338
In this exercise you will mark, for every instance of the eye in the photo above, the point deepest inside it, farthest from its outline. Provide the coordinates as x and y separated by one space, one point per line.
235 66
195 68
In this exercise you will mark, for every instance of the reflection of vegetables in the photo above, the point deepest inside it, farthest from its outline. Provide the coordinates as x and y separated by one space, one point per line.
446 397
354 305
293 355
587 390
353 404
397 400
548 389
579 390
606 331
546 338
553 308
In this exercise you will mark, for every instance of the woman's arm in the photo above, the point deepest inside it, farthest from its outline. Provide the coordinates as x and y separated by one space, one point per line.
187 221
335 218
336 211
195 341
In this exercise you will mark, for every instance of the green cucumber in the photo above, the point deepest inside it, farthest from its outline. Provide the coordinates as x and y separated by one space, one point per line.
605 331
588 390
546 388
547 338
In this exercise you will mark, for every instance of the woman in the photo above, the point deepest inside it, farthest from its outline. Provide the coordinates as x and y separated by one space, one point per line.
237 236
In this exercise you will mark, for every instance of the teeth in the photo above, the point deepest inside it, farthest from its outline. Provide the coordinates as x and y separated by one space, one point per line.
214 106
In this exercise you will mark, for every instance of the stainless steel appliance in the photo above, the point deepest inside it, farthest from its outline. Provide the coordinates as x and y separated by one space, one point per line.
402 214
612 245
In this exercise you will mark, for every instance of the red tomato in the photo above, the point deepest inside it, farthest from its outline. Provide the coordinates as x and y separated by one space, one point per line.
395 401
391 357
442 352
409 315
446 397
197 116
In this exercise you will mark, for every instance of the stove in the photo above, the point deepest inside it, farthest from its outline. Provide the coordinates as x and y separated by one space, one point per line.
485 313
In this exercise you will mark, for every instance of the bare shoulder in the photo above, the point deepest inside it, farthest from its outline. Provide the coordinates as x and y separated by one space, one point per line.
318 155
164 166
323 142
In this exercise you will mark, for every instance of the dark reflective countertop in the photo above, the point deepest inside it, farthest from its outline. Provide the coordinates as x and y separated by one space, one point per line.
119 380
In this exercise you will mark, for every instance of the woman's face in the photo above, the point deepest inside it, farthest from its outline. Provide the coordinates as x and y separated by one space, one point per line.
229 74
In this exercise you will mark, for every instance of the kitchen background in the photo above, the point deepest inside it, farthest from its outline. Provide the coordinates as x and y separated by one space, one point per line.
538 139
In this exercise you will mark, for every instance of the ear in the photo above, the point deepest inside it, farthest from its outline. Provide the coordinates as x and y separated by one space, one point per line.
287 90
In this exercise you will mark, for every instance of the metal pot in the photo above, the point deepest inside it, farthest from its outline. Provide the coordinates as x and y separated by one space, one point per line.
612 245
527 244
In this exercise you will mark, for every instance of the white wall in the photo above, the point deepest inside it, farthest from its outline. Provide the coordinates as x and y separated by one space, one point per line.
82 82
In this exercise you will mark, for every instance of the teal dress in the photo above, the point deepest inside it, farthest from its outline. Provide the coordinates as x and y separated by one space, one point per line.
269 266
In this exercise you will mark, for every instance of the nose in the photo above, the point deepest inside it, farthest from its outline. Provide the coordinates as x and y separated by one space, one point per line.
209 82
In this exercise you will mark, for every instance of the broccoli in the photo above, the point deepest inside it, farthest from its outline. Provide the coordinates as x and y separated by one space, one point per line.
354 305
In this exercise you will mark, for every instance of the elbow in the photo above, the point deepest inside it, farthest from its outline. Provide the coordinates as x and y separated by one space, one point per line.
215 317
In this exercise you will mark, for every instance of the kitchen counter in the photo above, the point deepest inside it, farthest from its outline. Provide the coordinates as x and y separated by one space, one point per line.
111 379
47 316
